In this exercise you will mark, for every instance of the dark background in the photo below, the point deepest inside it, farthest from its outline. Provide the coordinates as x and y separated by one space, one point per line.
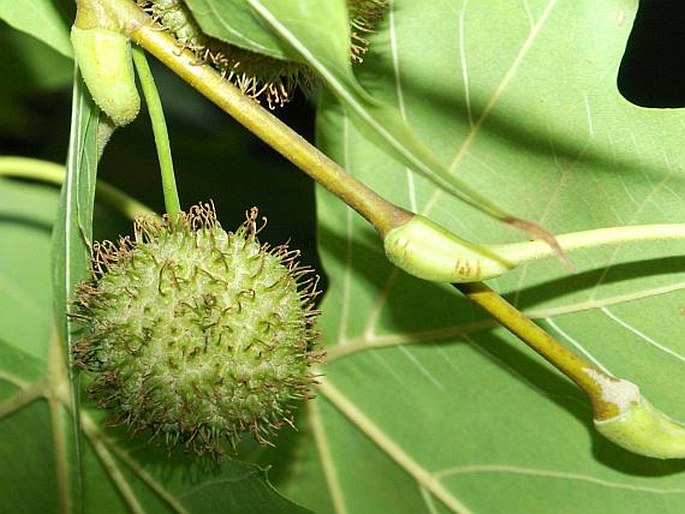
652 71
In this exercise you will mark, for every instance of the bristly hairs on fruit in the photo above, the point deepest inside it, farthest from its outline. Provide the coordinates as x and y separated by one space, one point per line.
364 14
198 335
256 75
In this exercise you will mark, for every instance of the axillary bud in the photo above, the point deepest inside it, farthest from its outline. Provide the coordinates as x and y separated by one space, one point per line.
104 58
426 250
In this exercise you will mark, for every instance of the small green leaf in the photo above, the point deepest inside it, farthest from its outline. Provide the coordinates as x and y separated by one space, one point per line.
235 22
39 18
74 224
72 236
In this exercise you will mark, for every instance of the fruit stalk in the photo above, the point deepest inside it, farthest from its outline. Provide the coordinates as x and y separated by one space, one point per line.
159 129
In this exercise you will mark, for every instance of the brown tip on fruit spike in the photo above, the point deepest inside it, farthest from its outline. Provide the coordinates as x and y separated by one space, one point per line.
250 222
537 231
364 14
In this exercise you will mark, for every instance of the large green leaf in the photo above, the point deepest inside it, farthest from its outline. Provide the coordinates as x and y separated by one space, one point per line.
318 34
39 18
428 406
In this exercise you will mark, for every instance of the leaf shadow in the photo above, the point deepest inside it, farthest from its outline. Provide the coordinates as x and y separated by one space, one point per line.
148 452
181 476
26 222
520 364
629 463
543 140
369 264
590 279
280 460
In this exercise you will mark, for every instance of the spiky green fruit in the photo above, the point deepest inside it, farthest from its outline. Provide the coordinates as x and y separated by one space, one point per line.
196 334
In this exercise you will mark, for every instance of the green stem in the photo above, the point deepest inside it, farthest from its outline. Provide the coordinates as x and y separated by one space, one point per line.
159 129
53 173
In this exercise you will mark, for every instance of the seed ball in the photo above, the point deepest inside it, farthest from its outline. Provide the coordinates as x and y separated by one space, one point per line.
197 334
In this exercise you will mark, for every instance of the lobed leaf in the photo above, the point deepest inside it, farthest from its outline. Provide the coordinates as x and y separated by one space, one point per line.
447 411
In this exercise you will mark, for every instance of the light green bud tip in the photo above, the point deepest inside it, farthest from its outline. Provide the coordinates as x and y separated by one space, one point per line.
430 252
640 427
104 58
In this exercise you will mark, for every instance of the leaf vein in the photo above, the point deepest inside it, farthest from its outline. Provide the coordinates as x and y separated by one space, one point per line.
548 473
